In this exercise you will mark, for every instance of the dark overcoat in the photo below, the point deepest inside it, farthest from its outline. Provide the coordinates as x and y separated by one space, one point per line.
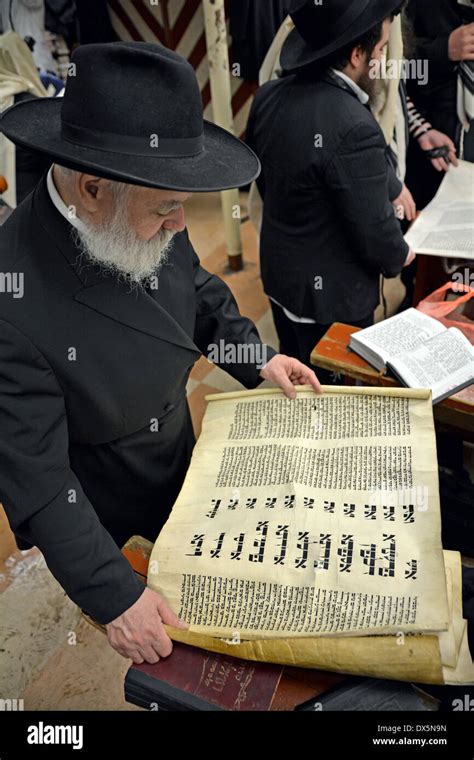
329 229
95 431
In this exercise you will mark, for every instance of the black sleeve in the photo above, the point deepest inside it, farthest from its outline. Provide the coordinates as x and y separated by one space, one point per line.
223 335
43 499
435 48
395 185
358 180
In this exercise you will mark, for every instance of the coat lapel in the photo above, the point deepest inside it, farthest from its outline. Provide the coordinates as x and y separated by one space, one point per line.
102 292
135 309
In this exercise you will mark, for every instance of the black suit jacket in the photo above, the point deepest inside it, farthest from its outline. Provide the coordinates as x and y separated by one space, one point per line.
95 432
433 21
327 212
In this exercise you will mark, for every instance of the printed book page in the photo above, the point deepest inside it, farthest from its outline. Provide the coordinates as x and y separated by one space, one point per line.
446 226
396 335
445 364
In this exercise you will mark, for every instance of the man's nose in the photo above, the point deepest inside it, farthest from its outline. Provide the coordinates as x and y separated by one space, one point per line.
175 220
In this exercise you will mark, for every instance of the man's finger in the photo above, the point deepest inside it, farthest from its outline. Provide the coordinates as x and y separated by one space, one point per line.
162 643
169 617
309 378
135 655
285 383
411 206
150 654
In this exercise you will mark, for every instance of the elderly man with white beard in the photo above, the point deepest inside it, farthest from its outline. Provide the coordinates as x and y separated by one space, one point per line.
95 430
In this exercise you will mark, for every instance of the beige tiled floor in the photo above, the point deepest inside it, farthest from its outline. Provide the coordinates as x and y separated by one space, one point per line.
49 656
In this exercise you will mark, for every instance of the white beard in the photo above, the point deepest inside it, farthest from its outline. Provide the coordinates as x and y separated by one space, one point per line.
115 247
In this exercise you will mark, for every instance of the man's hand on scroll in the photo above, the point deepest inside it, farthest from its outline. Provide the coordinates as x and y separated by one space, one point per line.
405 206
138 632
288 372
410 258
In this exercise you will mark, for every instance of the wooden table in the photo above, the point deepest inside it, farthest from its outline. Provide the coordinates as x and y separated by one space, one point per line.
332 353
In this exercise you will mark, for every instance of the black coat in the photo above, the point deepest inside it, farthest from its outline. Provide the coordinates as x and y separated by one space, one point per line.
433 21
253 26
88 371
327 211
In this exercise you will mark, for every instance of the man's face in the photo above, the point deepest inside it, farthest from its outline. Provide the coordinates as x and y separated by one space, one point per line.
150 211
368 83
129 229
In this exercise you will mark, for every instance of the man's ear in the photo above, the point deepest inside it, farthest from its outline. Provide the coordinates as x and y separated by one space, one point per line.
92 191
356 57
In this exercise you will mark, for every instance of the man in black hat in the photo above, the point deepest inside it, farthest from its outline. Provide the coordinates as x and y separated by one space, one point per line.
106 311
329 228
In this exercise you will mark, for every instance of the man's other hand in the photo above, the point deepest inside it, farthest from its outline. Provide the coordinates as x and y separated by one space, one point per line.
461 43
410 258
287 372
434 139
139 633
405 206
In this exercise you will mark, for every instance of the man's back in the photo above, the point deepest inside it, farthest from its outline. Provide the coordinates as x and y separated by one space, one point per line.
327 212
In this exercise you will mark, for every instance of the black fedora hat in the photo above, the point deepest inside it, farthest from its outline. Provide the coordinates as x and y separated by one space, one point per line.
132 111
323 28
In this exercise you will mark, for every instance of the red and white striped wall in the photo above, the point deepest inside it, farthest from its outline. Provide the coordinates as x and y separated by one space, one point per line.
179 24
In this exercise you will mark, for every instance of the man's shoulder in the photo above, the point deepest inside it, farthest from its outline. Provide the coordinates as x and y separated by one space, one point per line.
339 116
266 92
322 98
339 102
33 271
19 228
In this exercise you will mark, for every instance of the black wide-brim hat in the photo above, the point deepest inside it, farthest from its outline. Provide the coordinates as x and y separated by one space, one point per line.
132 112
323 29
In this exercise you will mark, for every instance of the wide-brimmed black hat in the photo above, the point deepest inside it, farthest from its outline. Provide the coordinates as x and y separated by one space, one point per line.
324 28
132 111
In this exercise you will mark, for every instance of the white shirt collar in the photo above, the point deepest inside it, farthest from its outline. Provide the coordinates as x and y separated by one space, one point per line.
363 97
59 203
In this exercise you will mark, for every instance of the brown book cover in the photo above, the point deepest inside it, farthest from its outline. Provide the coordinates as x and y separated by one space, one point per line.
196 679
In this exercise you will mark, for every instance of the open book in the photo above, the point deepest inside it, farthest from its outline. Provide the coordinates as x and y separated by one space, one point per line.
420 351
